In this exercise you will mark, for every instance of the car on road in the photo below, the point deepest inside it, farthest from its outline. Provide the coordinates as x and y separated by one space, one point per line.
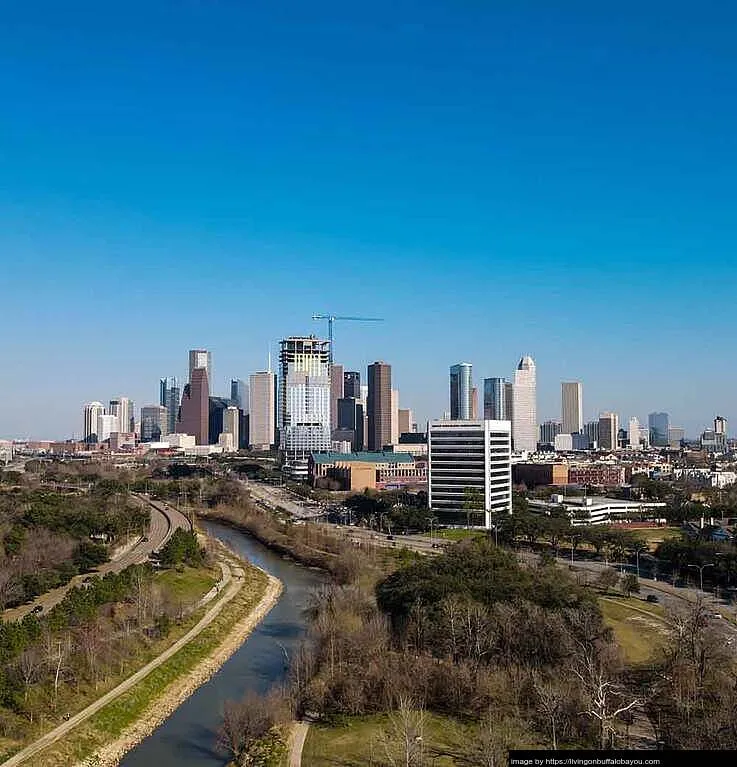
37 609
652 598
390 537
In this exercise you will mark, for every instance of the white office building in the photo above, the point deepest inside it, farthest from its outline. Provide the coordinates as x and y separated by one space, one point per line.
106 425
92 411
634 432
571 407
123 409
465 455
524 406
304 400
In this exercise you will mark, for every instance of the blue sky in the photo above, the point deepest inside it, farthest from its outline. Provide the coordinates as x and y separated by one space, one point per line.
494 179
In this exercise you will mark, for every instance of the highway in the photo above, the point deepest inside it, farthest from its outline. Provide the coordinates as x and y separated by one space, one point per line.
165 519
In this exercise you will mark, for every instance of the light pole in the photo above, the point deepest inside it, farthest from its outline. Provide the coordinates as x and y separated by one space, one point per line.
431 520
701 569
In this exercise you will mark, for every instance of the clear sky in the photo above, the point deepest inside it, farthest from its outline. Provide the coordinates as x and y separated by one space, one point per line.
493 178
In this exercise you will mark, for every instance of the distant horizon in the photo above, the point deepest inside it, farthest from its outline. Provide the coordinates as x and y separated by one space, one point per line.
491 182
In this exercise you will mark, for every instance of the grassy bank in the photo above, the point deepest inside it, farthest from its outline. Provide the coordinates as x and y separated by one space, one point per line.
639 627
109 723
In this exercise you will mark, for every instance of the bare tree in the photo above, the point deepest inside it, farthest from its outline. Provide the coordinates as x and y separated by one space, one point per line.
404 737
550 701
605 698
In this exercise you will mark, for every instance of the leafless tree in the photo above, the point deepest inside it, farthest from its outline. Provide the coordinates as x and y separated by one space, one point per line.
550 700
403 739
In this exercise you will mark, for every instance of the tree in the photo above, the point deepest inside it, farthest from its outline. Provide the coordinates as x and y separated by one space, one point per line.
630 584
473 503
550 699
404 736
607 579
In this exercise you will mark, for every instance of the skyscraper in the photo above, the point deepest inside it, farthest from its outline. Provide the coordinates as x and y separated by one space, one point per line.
395 417
474 403
379 405
549 430
658 424
460 391
495 400
154 422
350 418
304 398
633 433
200 358
216 407
524 406
262 416
231 425
571 407
194 412
107 424
608 431
508 401
92 411
122 410
336 393
352 384
239 394
169 394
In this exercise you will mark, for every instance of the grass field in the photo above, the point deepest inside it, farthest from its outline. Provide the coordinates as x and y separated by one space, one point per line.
456 534
189 585
363 741
639 627
112 720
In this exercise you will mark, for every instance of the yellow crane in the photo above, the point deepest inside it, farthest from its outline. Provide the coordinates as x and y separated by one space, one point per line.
331 318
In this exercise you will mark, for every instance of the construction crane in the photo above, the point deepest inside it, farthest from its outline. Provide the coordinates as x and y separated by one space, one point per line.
332 317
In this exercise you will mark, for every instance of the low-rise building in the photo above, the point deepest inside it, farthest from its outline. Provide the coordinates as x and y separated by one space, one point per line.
597 510
535 474
596 474
375 470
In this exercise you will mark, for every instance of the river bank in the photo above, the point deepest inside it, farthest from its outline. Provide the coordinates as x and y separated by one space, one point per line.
104 731
173 697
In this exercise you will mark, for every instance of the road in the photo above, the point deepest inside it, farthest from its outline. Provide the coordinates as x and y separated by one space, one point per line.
273 496
165 519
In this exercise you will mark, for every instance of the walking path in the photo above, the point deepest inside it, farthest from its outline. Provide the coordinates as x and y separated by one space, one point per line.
297 742
150 722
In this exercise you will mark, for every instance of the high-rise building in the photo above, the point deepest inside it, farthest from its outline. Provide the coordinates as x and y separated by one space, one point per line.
92 411
216 407
461 384
469 470
720 425
122 410
508 402
336 392
495 399
633 434
194 412
405 421
395 417
549 430
474 403
350 420
608 431
154 422
231 425
352 384
676 437
658 425
571 407
591 430
107 424
262 415
304 400
239 394
524 406
379 405
200 358
169 397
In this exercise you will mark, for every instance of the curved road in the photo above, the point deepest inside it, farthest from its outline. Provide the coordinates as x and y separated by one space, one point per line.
165 519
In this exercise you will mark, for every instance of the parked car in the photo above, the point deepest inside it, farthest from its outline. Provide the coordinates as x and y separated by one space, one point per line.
652 598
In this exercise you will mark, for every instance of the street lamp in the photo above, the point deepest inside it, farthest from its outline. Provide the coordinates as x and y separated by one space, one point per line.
431 520
701 569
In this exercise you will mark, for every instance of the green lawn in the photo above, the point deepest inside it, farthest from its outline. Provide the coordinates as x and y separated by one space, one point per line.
638 627
189 585
362 741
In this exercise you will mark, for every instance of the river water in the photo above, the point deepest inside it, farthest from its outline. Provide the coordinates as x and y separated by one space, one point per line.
187 738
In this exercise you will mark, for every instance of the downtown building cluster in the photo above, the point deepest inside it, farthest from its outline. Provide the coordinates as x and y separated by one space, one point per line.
342 430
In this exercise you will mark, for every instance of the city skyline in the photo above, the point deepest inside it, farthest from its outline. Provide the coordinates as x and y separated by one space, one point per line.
470 146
